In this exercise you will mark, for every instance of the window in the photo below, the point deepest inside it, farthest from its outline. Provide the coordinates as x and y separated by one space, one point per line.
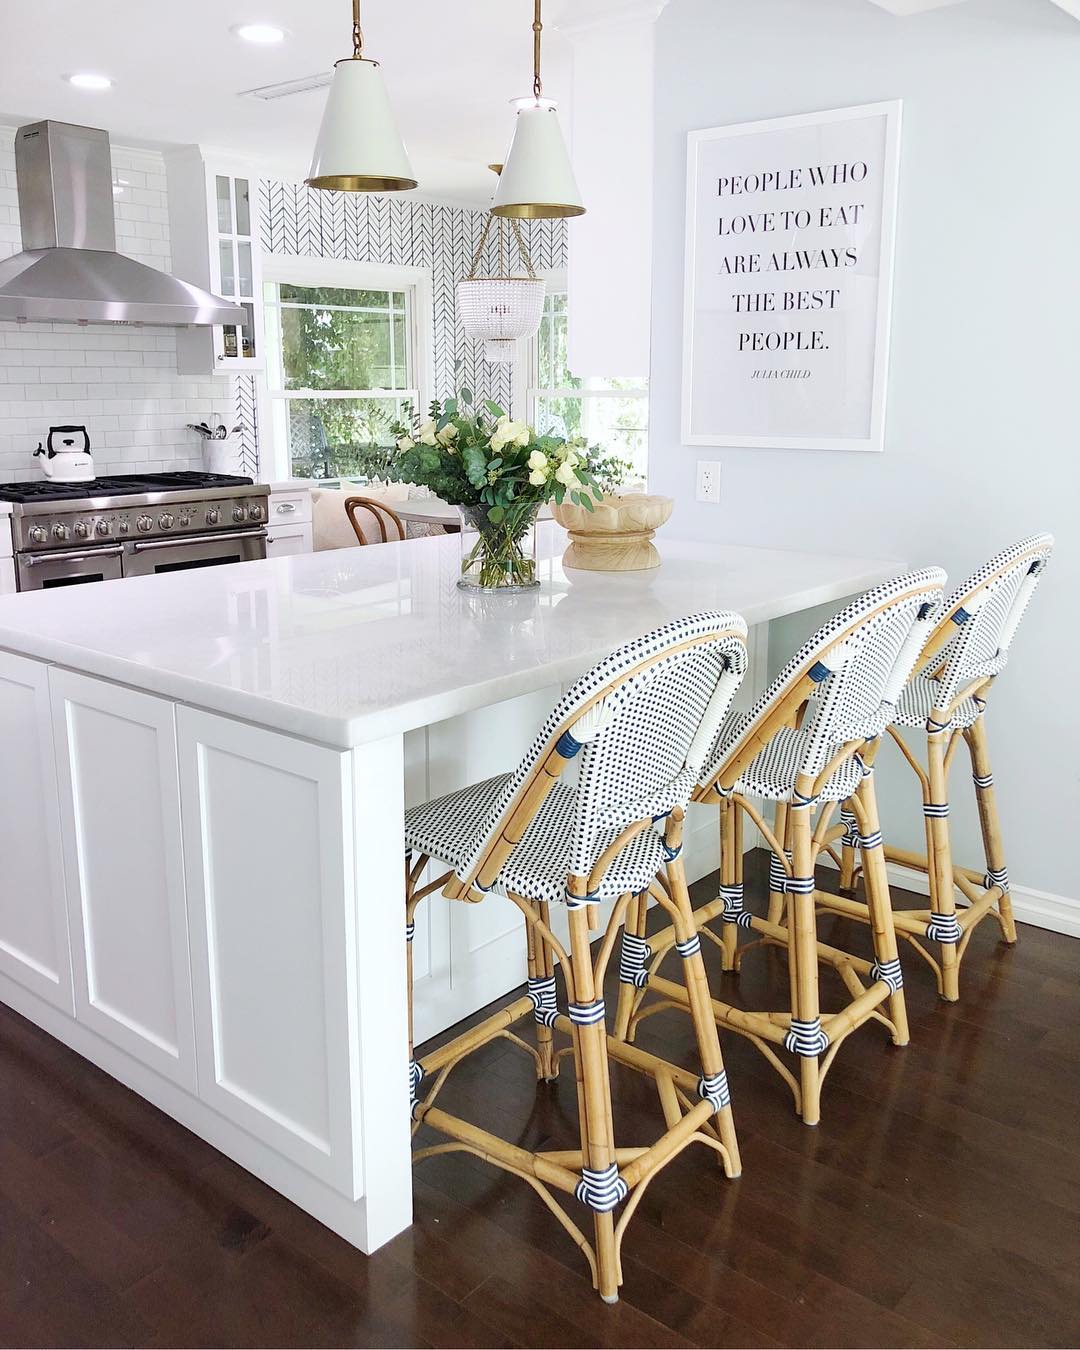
340 372
610 412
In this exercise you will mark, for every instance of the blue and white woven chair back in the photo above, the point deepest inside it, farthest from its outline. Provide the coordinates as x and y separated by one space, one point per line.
858 662
981 617
645 718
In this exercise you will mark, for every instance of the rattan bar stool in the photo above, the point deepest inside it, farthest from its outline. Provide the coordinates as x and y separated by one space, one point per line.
807 745
947 696
642 722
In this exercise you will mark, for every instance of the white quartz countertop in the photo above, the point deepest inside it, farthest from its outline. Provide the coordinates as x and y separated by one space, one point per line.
346 646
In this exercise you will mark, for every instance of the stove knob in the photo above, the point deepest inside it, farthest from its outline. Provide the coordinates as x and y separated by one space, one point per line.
143 524
38 535
239 515
166 521
60 532
81 529
213 515
255 513
103 527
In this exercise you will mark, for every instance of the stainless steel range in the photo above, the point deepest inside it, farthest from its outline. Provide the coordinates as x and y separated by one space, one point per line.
65 534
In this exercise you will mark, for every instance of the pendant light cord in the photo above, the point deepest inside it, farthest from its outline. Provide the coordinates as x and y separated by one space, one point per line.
357 33
538 87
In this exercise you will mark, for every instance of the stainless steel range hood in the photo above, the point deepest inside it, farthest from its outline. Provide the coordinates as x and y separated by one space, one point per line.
69 270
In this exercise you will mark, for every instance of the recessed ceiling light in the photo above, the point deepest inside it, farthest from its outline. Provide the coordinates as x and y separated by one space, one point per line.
265 34
87 80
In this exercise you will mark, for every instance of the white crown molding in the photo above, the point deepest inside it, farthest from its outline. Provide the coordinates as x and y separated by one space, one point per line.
902 8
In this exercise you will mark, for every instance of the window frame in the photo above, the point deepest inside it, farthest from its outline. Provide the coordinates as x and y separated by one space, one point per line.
528 390
414 282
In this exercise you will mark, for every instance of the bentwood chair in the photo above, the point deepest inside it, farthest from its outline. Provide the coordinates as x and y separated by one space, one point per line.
947 697
806 745
388 523
643 721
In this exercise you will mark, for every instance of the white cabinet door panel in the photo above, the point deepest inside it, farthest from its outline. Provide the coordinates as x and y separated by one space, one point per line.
120 813
288 541
33 917
266 824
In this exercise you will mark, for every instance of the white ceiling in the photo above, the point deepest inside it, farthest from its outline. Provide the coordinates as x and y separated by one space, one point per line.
451 67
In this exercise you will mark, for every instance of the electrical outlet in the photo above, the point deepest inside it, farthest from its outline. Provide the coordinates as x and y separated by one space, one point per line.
708 480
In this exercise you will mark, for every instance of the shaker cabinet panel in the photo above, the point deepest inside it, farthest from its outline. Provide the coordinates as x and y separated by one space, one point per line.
120 813
33 917
273 924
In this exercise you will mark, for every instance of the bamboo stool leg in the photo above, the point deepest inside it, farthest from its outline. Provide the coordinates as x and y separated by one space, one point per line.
594 1095
730 882
996 872
632 967
542 992
879 907
714 1079
848 845
943 926
781 828
806 1038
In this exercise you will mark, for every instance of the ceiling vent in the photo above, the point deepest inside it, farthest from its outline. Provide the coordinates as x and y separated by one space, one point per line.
286 89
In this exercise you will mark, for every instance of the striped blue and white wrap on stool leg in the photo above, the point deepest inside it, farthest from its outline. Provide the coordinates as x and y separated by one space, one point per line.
545 1002
601 1190
997 876
806 1038
634 958
944 928
890 972
416 1077
778 877
734 911
714 1088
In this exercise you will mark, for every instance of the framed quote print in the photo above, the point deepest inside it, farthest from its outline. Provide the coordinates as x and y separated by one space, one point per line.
789 248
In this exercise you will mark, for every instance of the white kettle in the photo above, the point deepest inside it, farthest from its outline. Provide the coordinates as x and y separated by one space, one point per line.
66 456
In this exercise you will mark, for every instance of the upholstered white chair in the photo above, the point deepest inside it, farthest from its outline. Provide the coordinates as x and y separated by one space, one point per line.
947 698
639 725
807 745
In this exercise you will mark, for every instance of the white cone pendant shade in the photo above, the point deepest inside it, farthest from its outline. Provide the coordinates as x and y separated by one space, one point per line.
537 180
359 148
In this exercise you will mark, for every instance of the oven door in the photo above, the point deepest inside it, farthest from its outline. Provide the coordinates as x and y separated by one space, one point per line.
44 571
148 557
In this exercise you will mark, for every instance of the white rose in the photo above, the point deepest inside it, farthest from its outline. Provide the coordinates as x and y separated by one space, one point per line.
524 436
539 477
449 433
406 443
538 460
427 434
571 458
498 439
565 474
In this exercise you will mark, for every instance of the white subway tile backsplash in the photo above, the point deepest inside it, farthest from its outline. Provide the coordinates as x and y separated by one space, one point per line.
121 383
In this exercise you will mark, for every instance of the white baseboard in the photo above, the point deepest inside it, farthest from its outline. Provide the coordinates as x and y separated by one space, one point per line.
1058 913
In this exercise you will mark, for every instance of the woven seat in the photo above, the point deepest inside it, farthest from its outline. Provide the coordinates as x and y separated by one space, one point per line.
921 696
639 726
445 829
946 697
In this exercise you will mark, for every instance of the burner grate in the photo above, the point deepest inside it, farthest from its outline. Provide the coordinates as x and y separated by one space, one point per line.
119 485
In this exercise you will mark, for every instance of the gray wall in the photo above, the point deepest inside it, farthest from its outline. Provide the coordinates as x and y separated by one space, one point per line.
982 428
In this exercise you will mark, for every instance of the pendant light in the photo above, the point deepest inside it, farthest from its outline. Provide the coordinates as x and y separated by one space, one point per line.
538 180
502 309
359 148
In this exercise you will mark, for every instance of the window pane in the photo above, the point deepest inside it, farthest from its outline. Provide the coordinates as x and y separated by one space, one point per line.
243 207
336 349
228 268
619 426
328 437
224 205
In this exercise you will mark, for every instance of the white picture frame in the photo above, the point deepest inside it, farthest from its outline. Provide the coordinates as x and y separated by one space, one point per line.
829 396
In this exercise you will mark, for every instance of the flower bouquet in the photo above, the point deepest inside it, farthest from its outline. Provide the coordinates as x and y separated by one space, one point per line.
498 473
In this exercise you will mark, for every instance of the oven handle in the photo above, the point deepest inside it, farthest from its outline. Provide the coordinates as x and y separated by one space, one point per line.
112 551
223 536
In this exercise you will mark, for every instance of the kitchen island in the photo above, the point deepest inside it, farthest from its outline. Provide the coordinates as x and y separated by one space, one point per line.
201 881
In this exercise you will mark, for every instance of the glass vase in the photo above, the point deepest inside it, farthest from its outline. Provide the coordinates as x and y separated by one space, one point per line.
498 555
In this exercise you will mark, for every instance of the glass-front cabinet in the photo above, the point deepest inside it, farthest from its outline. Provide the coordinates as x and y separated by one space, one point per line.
214 228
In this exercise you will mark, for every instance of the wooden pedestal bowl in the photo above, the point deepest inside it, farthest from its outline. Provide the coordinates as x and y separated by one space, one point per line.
617 535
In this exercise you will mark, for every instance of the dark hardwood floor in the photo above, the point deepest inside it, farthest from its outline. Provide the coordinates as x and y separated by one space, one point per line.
938 1202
